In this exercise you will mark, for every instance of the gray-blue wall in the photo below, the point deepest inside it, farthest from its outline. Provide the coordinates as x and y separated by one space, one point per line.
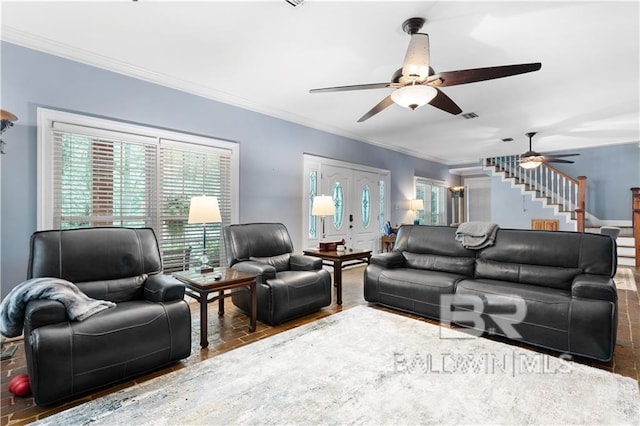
611 171
510 208
270 149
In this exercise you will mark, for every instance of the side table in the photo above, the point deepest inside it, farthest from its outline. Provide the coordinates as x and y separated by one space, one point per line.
337 261
386 243
199 286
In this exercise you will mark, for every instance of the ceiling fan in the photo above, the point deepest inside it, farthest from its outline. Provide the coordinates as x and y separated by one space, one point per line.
416 83
532 159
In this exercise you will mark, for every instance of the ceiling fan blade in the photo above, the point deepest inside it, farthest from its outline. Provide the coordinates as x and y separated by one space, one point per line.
556 160
352 87
445 103
453 78
563 155
376 109
416 60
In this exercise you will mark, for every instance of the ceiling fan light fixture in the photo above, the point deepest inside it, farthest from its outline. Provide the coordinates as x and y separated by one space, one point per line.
413 96
530 163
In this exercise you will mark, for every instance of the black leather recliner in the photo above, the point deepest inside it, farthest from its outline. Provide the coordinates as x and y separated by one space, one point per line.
288 285
150 326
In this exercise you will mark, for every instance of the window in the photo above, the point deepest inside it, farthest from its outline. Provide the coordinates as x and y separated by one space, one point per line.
381 192
366 206
434 195
338 200
313 191
95 172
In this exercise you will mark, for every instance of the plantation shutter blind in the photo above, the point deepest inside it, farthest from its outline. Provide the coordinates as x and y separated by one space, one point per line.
188 170
102 178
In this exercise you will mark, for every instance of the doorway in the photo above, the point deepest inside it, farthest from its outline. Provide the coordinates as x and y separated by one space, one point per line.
478 199
360 195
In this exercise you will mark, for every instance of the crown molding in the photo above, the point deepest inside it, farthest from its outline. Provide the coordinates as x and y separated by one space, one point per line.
45 45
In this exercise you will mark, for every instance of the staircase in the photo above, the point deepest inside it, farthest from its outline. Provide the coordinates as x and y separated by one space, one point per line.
553 188
567 196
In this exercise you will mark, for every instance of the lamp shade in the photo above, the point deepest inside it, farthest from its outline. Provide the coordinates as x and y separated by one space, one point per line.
417 204
413 96
323 206
204 209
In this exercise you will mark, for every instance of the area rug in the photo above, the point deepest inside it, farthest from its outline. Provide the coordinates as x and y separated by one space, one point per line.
624 279
368 366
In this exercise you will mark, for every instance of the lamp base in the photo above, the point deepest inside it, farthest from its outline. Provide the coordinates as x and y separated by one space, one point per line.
205 269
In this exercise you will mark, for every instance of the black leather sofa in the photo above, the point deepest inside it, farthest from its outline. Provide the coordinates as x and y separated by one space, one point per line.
288 285
149 327
564 279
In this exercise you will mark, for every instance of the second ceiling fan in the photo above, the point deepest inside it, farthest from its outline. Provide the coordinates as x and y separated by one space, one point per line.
416 83
532 159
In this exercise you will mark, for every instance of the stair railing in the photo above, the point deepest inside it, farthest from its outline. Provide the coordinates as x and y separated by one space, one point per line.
557 187
635 217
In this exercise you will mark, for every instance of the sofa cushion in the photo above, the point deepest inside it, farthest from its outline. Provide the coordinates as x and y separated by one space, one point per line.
432 262
280 262
425 286
437 240
545 276
92 254
589 253
244 241
117 291
546 307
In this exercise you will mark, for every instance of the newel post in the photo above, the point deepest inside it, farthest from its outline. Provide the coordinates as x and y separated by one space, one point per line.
635 217
580 210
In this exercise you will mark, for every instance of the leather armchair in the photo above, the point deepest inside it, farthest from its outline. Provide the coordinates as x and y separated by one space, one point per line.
288 285
150 327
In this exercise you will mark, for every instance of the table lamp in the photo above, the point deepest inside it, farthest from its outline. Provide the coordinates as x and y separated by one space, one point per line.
415 206
323 206
204 209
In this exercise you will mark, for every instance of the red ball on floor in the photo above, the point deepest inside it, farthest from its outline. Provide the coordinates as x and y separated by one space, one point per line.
19 385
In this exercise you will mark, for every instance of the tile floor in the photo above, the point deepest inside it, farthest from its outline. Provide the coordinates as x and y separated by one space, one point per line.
230 332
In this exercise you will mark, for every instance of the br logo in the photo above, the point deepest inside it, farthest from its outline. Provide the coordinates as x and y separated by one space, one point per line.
471 310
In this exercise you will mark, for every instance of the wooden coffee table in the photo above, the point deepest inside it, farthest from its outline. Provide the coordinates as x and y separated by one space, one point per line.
339 260
199 286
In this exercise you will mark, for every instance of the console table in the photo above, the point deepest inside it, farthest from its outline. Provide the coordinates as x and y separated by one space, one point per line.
339 260
199 286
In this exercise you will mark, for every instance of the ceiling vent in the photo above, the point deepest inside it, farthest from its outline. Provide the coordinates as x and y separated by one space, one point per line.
295 3
507 140
470 115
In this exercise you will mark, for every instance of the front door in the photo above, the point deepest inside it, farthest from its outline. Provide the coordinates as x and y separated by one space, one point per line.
356 195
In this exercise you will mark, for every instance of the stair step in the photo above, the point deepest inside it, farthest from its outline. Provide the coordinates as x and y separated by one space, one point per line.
626 251
626 241
626 261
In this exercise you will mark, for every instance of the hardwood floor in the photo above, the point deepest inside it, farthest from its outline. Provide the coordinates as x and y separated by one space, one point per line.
230 331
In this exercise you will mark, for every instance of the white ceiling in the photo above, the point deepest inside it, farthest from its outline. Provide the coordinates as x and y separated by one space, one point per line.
265 56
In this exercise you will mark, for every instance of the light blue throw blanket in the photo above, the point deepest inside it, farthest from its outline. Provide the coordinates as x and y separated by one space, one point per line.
476 235
79 306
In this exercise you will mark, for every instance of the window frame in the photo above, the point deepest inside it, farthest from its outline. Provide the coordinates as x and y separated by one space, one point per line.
437 183
146 134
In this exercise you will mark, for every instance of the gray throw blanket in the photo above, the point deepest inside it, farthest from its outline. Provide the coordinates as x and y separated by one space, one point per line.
476 235
79 306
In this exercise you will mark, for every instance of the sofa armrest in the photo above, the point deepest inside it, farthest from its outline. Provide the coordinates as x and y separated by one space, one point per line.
254 267
299 262
389 260
41 312
163 288
591 286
